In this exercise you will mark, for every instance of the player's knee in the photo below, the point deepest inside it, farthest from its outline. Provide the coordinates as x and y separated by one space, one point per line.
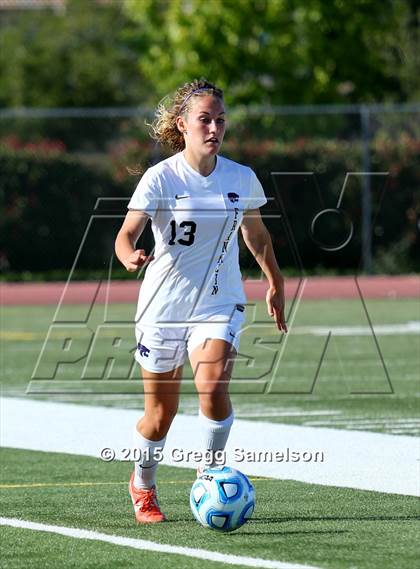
215 405
213 387
160 420
212 391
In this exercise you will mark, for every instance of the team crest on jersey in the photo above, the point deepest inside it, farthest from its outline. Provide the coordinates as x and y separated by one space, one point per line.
144 352
233 197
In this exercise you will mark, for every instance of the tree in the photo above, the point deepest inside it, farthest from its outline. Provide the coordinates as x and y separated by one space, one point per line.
271 51
76 58
403 51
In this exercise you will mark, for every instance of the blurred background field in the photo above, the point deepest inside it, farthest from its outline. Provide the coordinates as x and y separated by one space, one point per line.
318 87
358 382
314 90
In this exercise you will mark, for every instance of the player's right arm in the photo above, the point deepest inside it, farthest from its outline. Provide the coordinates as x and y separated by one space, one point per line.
132 228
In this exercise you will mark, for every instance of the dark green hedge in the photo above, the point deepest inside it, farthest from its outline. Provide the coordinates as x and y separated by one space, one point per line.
395 201
46 203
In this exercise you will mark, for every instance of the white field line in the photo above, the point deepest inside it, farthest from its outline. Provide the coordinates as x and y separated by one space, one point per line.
397 431
390 427
412 327
152 546
366 426
385 426
405 431
274 413
351 458
366 422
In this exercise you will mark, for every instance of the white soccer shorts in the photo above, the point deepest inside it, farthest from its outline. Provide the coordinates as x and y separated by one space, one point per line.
161 349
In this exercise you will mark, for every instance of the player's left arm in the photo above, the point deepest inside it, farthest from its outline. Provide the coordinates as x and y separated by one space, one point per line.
258 240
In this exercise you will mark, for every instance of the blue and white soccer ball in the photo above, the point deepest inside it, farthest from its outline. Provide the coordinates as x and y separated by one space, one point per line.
222 498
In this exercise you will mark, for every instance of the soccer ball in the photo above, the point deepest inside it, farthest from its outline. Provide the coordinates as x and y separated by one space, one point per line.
222 498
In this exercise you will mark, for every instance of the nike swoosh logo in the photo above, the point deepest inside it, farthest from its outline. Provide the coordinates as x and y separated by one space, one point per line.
177 197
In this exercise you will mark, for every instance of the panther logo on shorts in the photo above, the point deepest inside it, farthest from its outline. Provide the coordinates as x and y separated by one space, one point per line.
233 197
143 350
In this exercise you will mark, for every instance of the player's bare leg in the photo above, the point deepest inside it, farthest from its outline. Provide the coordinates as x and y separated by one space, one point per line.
161 396
212 364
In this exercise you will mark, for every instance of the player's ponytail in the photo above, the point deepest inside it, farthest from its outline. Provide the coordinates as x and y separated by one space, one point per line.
163 128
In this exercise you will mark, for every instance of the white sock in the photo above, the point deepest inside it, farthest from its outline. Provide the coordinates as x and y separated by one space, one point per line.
145 468
215 435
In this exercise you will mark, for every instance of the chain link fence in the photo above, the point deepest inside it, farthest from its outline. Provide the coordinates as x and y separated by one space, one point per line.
354 166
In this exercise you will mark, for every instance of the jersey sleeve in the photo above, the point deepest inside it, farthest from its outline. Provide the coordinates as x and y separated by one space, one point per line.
257 196
146 196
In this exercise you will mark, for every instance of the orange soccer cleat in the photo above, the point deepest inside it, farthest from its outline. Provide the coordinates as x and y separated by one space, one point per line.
146 506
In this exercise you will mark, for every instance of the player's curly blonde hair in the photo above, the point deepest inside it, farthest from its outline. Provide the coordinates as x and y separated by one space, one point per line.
163 128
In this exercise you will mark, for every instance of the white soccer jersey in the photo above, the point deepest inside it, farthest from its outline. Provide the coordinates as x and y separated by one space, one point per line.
195 220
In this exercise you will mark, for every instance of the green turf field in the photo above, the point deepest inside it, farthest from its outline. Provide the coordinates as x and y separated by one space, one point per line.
273 379
294 522
322 526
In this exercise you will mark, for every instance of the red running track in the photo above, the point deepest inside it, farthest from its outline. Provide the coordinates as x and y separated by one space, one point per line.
127 291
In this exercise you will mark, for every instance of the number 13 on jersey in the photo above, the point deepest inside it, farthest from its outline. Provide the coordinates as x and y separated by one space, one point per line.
189 227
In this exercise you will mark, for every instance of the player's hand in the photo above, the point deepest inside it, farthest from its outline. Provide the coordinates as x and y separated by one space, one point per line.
275 306
136 260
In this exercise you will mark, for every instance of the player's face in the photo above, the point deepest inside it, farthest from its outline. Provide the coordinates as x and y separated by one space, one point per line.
205 125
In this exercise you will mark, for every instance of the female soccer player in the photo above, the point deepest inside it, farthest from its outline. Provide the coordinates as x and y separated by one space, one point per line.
192 299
